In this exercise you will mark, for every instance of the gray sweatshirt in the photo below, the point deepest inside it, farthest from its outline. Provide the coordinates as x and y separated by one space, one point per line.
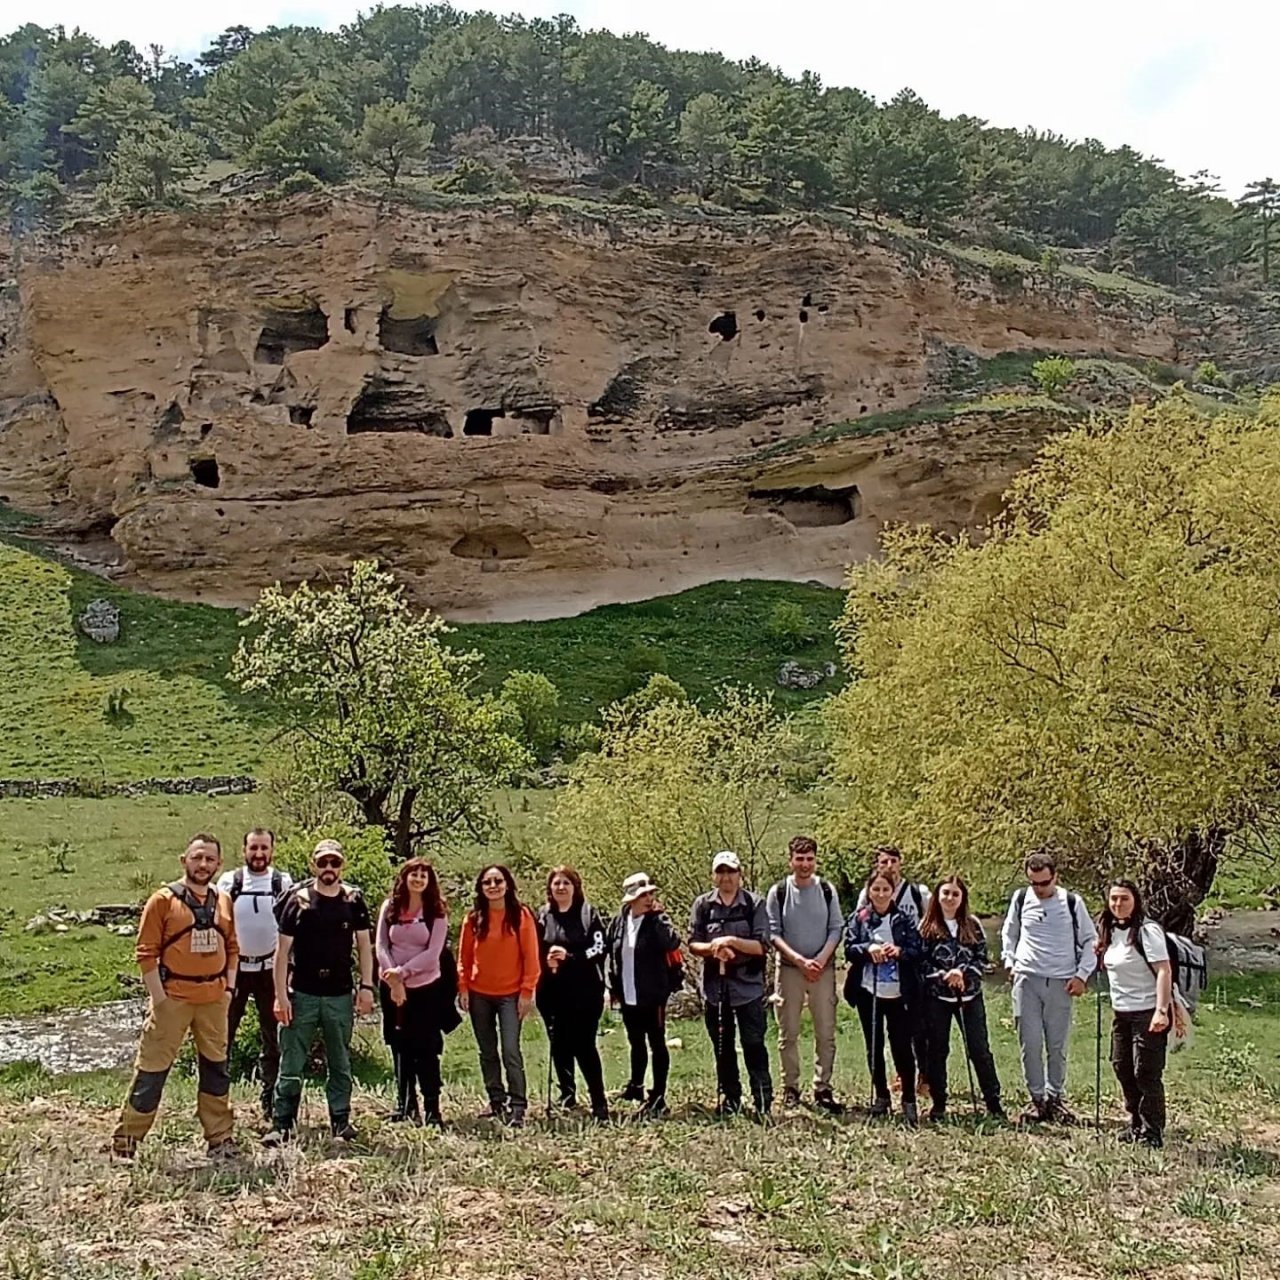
1038 939
803 918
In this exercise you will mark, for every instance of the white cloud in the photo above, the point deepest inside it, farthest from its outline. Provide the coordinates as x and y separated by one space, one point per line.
1188 83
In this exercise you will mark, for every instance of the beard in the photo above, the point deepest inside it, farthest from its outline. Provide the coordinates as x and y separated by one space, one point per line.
257 863
200 876
327 876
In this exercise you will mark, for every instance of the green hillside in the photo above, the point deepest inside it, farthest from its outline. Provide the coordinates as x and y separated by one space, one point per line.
181 716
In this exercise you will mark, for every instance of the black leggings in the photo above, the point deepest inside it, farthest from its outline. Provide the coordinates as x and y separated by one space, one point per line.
573 1041
646 1026
894 1017
416 1042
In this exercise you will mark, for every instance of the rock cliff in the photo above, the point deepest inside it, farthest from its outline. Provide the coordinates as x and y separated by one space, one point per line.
523 411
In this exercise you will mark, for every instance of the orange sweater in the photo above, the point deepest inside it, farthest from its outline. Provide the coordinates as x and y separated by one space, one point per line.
163 918
501 963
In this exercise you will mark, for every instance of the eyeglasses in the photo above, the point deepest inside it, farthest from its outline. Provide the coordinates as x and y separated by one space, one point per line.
492 880
328 863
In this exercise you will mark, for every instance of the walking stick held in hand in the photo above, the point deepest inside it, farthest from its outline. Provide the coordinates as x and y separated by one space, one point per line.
875 1022
722 1007
551 1033
968 1057
1097 1059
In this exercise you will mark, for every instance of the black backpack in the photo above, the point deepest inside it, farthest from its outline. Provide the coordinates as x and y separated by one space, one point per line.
204 915
746 910
1073 902
909 886
238 890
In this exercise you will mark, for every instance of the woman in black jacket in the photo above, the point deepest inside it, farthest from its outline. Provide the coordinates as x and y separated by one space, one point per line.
570 997
955 960
644 971
882 946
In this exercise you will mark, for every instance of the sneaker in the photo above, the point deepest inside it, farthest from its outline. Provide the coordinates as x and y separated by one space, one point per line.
825 1100
277 1137
1059 1112
431 1116
632 1093
791 1098
494 1111
880 1107
729 1107
1152 1139
404 1117
1035 1112
996 1112
224 1150
600 1114
910 1115
937 1115
654 1108
123 1149
515 1118
344 1130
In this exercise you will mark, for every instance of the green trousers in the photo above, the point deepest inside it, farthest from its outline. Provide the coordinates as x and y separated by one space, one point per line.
334 1017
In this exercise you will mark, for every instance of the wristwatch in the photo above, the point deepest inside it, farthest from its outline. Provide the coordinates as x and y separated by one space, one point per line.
364 986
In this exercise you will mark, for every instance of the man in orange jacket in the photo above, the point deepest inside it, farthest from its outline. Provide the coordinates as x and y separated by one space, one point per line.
187 953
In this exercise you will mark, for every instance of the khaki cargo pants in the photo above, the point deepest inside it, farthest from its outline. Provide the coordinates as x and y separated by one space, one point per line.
162 1035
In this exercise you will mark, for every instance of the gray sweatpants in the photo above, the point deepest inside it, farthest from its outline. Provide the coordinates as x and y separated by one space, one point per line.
1042 1014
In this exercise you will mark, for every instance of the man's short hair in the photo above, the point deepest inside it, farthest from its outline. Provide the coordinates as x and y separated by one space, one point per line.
1041 860
802 844
886 851
259 831
203 837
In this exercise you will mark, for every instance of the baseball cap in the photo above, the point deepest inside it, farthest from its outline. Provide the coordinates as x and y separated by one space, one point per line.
331 847
726 859
637 886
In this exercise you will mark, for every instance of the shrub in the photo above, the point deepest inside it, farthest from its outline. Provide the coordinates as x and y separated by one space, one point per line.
535 703
636 197
644 660
299 183
1054 374
658 688
1006 274
474 177
1209 374
368 865
787 625
1051 262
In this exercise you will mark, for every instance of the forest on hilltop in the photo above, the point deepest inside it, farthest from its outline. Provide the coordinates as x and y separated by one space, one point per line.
403 83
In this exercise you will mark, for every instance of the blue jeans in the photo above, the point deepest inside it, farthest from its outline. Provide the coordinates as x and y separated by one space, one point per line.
494 1018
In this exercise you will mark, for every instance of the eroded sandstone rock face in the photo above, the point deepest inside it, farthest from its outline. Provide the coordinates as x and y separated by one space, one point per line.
522 413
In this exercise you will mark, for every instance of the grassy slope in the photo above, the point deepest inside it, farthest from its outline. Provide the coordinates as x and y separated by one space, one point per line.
807 1198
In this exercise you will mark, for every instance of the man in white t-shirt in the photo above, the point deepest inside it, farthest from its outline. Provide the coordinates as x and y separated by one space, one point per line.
253 889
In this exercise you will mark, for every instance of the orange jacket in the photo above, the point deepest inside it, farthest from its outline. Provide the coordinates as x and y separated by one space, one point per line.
163 918
501 963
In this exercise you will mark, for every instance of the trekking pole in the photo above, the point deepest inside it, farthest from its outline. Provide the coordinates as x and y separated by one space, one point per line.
875 1009
721 1006
968 1057
1097 1060
551 1032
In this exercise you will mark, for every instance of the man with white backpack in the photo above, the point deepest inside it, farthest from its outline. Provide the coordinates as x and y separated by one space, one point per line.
253 890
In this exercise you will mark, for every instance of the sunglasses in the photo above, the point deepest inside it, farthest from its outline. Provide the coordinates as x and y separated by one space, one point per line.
489 880
1043 884
328 863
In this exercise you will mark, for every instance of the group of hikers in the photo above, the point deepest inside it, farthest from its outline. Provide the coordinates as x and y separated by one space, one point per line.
312 958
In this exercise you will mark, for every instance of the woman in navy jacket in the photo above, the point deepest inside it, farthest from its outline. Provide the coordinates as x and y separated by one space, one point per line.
883 948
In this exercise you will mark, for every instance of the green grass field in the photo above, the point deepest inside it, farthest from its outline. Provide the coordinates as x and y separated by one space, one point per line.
685 1199
182 716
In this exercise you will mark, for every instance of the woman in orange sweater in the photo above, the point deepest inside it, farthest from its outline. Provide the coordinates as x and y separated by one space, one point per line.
497 976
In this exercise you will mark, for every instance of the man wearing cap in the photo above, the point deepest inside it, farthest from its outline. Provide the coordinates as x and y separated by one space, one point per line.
729 931
319 921
644 969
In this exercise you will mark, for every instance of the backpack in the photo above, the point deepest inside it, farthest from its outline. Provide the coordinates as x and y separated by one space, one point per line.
238 890
827 891
204 915
916 896
1073 902
746 910
1188 963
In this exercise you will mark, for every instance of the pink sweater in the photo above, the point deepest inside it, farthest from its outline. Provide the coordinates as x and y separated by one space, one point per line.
412 946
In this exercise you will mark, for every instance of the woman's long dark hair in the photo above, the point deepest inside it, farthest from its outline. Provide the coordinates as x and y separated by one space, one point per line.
480 911
934 925
1107 923
875 875
433 904
574 879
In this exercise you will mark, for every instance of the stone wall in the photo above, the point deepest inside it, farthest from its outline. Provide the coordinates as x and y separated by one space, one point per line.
52 788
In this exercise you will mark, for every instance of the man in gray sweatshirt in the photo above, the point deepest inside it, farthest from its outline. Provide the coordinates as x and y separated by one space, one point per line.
805 923
1047 944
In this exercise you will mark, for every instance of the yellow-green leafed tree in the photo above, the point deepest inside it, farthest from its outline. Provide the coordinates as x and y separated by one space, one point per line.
672 784
1103 672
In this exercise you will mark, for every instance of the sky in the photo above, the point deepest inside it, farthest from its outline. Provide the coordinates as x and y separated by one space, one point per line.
1188 83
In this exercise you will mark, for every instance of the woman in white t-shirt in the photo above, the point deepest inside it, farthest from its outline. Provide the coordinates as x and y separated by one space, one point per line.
1132 950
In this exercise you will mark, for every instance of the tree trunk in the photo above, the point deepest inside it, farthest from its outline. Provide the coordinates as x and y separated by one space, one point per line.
402 829
1178 876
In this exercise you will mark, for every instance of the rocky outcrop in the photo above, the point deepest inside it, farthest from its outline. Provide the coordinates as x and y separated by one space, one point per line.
522 412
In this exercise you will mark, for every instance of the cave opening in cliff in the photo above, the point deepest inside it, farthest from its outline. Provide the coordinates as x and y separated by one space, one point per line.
301 414
501 542
536 422
413 337
286 332
759 313
396 408
479 422
726 325
204 471
809 506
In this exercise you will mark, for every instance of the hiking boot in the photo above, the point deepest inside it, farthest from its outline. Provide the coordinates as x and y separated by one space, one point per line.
124 1149
996 1112
224 1150
600 1113
267 1102
278 1137
825 1100
404 1116
515 1118
880 1107
729 1107
911 1115
568 1102
1059 1112
343 1129
1131 1135
791 1098
937 1115
1035 1112
1152 1140
494 1111
654 1108
431 1114
632 1093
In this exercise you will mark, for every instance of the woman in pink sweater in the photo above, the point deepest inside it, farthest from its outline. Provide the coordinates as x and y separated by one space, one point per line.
417 999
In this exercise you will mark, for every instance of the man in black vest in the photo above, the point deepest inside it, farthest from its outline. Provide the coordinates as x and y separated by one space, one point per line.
729 932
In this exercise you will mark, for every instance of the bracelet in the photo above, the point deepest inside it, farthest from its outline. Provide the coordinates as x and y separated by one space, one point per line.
364 986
